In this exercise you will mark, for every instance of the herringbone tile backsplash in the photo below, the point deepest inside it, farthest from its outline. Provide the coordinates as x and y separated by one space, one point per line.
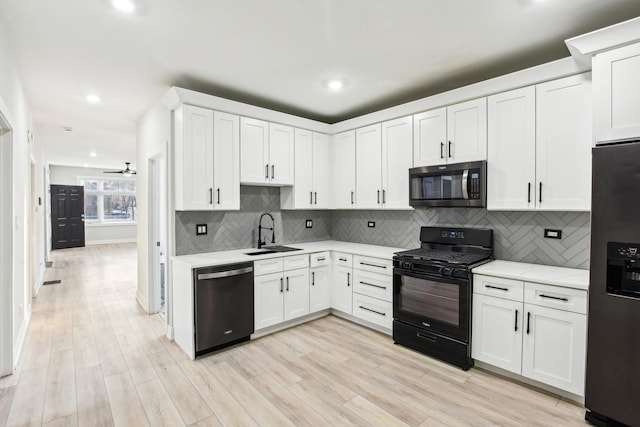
517 235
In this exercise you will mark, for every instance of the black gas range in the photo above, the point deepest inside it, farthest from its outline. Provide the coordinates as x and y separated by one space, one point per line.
432 288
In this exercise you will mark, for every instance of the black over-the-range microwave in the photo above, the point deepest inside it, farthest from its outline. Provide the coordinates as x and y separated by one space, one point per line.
454 185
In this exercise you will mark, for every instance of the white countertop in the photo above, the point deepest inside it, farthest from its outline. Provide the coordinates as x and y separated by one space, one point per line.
239 255
558 276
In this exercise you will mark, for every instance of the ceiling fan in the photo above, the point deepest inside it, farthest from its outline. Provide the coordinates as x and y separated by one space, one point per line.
125 172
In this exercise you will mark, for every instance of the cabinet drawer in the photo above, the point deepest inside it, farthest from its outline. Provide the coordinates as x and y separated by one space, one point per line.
373 310
373 284
567 299
297 261
319 259
345 260
498 287
267 266
376 265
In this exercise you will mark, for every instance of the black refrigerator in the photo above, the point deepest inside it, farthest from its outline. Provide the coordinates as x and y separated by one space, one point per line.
612 389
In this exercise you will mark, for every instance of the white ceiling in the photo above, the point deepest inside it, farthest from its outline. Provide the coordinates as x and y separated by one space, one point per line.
275 53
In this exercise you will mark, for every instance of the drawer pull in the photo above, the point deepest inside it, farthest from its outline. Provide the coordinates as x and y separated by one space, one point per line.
516 326
555 298
320 259
528 322
373 311
426 337
373 265
342 259
371 284
497 288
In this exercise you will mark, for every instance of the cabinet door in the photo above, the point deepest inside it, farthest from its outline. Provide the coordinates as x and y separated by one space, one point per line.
564 137
467 131
430 138
320 290
226 161
369 167
511 161
254 151
397 158
303 187
296 294
617 93
497 332
343 156
321 195
194 146
281 152
269 300
554 347
341 294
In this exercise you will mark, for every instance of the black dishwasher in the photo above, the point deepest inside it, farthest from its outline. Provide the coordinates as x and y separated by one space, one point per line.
223 305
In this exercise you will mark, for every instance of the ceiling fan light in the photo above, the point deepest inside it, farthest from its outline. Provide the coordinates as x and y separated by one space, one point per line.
127 173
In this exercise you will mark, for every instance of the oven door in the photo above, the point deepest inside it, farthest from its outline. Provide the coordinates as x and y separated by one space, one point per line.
433 303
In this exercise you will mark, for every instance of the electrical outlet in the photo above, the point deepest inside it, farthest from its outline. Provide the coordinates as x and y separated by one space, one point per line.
201 229
552 234
309 223
371 224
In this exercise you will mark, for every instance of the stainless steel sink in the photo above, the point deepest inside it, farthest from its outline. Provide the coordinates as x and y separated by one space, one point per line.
272 250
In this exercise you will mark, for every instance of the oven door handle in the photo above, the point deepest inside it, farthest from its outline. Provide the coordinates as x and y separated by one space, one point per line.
465 184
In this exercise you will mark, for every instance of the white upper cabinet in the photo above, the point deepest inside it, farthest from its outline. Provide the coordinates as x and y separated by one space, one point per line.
533 132
511 155
564 135
311 188
226 161
281 153
266 151
430 137
397 159
454 134
368 167
467 131
617 93
207 159
343 173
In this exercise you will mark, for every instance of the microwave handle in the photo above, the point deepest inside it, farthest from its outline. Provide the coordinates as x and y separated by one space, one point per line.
465 184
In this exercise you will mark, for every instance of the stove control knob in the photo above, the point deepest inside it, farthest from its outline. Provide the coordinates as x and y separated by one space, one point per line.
407 265
445 271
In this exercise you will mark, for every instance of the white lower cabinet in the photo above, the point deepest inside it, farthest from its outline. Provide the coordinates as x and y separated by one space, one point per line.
341 292
534 330
283 295
373 290
320 282
553 349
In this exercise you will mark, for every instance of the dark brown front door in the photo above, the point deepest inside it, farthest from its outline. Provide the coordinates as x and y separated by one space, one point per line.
67 216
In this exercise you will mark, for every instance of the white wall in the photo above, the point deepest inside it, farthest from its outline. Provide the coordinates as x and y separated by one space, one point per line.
94 233
24 149
153 133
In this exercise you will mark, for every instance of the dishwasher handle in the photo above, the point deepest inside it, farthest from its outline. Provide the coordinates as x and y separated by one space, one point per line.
227 273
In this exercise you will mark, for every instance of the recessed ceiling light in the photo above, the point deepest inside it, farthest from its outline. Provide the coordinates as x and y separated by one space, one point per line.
86 165
94 99
126 6
335 84
93 154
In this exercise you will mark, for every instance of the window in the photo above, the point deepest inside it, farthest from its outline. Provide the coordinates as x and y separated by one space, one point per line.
109 200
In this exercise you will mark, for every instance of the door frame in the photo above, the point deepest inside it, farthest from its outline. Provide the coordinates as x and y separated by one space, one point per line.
6 241
155 223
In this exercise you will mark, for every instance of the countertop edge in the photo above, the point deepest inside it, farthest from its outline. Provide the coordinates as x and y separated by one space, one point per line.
549 275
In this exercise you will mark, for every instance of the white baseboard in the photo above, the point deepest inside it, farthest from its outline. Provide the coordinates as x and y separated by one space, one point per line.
18 345
106 242
40 281
142 302
170 332
291 323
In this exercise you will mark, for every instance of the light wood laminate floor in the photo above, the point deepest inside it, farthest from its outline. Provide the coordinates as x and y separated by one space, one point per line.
92 357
